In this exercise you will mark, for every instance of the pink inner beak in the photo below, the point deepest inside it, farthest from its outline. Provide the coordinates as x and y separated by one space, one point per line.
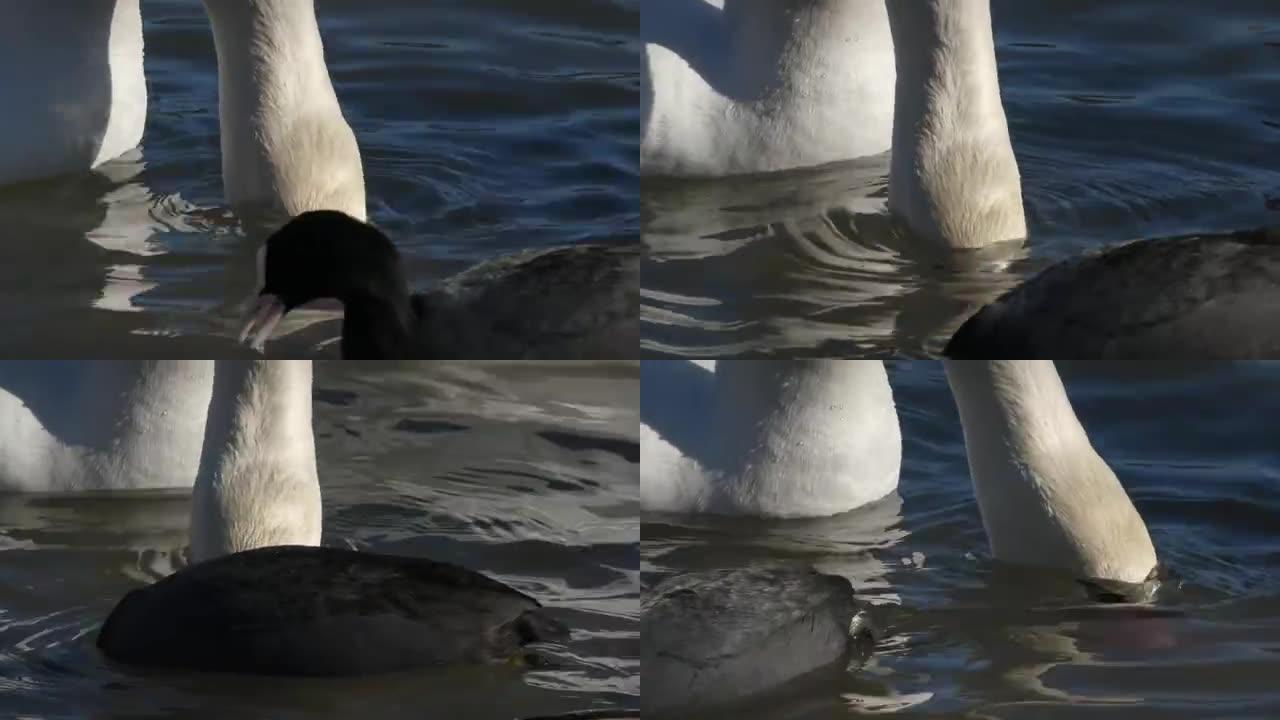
261 322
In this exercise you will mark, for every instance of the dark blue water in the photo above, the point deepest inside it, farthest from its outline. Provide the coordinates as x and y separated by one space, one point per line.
486 127
1131 120
1195 447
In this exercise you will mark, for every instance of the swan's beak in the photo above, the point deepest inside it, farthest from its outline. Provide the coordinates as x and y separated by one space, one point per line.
262 321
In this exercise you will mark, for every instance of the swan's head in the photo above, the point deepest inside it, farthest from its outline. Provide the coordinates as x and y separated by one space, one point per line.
322 254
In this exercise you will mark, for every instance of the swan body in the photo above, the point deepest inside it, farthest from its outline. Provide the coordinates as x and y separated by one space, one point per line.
261 597
286 147
102 425
767 85
1046 497
780 438
747 86
1219 298
72 90
716 636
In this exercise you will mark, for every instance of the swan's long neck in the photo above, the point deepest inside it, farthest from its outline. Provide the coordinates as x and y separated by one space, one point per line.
804 437
285 144
1045 495
953 176
257 485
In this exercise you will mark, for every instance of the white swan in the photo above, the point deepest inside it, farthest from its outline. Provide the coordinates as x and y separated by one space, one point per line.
819 437
108 425
764 86
286 147
72 90
102 425
744 86
778 438
73 95
1046 497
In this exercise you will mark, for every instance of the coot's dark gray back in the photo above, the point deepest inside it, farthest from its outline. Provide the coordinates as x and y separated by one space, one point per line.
716 636
321 611
580 302
1189 297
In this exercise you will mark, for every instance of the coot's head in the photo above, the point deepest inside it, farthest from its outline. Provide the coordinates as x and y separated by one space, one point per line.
322 254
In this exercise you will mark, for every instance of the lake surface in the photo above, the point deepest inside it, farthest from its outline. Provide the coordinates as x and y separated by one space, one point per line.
966 637
1132 120
486 127
526 472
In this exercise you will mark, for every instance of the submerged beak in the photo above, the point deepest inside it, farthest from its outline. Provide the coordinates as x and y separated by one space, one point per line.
259 325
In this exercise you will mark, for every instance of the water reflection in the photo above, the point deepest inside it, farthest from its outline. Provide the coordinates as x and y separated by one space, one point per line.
111 242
